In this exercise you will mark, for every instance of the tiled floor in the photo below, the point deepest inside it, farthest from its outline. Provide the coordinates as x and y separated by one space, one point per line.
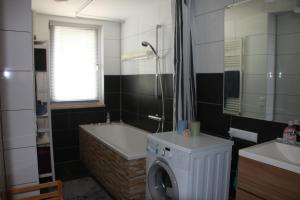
78 182
84 189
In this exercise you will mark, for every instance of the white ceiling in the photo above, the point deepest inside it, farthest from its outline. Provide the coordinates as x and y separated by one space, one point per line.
117 10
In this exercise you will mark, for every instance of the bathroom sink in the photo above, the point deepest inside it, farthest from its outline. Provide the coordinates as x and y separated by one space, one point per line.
275 153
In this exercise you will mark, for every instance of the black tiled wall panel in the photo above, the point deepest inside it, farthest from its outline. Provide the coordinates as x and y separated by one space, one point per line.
139 100
213 121
112 96
65 132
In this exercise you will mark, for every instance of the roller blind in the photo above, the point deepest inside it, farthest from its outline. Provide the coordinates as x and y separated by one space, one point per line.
73 63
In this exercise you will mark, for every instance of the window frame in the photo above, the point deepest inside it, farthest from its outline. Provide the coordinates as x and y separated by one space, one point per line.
99 59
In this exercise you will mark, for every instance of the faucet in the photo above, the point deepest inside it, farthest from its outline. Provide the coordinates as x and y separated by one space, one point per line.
155 117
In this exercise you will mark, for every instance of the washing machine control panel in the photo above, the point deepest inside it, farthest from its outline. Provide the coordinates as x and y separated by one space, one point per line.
159 150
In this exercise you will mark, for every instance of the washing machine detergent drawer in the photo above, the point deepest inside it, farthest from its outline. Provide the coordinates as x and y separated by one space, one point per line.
171 156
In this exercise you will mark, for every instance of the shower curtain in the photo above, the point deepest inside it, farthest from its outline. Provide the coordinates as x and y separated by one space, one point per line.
184 83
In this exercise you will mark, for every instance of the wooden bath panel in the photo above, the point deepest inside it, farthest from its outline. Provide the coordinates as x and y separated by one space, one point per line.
124 179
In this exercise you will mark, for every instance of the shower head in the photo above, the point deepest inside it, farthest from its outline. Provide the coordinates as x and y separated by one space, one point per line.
146 44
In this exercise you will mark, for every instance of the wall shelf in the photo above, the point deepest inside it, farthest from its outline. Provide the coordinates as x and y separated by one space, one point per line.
45 175
44 131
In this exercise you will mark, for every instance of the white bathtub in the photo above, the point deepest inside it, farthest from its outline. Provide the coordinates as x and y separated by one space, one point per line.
127 140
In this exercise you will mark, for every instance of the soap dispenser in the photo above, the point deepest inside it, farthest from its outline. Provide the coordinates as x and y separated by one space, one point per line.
289 133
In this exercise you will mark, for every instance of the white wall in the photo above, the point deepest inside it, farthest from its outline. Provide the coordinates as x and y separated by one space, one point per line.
111 35
17 93
287 99
209 35
141 27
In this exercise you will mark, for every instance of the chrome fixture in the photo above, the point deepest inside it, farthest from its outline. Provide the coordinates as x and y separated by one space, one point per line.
158 73
155 118
147 44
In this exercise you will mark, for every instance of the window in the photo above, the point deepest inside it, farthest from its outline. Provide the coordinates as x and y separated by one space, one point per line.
74 72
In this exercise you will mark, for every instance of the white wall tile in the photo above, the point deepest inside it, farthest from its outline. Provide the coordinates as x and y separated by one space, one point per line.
288 23
253 115
210 27
112 30
288 85
19 129
253 103
16 51
141 26
147 66
2 168
112 48
254 84
130 67
21 166
166 37
167 61
252 25
287 105
255 64
17 90
112 66
288 44
16 15
130 27
130 44
258 44
204 6
288 64
209 58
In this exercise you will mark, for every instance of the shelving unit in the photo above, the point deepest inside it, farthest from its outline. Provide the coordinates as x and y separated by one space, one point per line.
43 112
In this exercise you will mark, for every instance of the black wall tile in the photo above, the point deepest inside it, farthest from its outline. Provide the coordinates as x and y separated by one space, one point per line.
112 84
212 119
167 82
146 85
149 105
147 124
63 138
266 130
79 118
210 88
115 115
130 102
130 84
169 110
65 130
66 154
139 100
60 120
112 101
130 118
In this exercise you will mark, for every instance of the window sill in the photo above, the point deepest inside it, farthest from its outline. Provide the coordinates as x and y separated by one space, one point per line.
61 106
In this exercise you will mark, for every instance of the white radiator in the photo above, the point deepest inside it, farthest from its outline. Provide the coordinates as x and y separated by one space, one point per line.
233 53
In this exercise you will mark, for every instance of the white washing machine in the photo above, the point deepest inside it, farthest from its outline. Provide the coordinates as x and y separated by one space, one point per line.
187 168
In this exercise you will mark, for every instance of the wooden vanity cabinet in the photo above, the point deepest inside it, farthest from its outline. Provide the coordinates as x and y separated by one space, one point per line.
257 180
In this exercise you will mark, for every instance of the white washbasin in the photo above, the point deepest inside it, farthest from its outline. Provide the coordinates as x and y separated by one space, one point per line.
274 153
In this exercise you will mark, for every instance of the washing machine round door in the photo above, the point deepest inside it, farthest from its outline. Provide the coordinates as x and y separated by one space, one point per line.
162 182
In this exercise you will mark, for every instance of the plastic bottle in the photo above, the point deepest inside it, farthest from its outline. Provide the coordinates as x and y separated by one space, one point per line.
289 133
108 118
297 126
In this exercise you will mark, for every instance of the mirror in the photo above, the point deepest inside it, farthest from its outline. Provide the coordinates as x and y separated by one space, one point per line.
262 60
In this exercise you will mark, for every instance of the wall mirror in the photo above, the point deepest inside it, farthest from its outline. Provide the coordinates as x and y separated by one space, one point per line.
262 60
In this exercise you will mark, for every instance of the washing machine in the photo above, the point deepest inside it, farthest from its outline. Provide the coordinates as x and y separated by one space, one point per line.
182 168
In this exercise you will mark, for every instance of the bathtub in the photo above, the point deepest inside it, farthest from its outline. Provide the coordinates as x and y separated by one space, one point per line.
115 154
